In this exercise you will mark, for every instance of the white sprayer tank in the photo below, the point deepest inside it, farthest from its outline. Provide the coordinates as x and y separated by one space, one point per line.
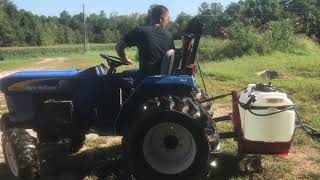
270 118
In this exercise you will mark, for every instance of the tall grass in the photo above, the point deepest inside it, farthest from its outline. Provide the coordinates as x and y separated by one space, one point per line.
211 49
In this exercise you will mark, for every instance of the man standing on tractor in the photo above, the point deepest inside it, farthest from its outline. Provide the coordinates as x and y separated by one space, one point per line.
153 41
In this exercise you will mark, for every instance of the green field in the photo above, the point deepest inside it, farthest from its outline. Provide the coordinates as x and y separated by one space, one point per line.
301 82
40 51
71 60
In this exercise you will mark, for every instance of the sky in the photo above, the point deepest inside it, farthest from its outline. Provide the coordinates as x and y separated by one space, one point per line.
55 7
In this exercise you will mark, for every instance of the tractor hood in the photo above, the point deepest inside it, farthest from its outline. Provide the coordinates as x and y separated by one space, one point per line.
36 80
42 74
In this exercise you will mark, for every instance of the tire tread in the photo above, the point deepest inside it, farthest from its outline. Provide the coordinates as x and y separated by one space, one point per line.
24 146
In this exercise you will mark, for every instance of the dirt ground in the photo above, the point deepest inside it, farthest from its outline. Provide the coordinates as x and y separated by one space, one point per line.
306 160
101 157
89 164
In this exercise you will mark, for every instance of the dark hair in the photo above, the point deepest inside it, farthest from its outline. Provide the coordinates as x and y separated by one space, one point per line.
158 11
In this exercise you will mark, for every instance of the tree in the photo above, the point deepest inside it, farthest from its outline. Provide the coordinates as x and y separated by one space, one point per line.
65 18
204 9
6 32
307 12
213 17
22 28
111 36
181 21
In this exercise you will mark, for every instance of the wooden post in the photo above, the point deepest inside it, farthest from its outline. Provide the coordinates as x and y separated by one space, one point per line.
84 31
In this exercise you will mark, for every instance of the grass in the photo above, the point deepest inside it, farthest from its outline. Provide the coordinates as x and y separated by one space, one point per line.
72 60
14 63
302 84
37 51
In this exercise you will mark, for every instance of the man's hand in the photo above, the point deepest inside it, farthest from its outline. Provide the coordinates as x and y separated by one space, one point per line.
121 53
127 60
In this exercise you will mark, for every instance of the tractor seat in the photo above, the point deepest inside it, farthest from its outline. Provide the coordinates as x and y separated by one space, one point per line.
167 65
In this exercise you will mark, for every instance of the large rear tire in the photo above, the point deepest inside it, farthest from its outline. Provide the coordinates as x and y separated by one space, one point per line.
168 141
201 95
20 153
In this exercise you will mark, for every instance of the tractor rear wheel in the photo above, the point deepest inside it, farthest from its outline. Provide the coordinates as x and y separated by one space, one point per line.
201 95
20 153
168 141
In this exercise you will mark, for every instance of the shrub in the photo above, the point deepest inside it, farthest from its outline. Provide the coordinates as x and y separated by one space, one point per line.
244 39
283 35
278 36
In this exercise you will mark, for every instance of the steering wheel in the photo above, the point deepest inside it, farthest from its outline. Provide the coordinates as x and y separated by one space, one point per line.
113 61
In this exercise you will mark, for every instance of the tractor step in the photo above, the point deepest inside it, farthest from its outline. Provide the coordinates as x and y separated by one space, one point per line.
102 132
227 135
222 118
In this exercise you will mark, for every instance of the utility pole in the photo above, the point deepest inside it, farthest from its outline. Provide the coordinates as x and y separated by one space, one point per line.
84 31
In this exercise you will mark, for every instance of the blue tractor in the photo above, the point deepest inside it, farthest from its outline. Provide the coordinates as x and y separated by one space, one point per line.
167 132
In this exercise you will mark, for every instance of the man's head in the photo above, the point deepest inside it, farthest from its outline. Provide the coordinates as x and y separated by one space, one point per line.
160 15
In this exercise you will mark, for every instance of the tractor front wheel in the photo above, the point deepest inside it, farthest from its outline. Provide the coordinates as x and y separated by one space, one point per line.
20 153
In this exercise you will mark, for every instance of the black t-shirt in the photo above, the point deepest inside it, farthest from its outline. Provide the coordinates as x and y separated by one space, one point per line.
153 42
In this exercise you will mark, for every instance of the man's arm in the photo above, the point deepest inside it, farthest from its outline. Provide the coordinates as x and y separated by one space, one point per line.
120 48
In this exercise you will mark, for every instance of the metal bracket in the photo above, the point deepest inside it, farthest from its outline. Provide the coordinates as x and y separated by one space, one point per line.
216 98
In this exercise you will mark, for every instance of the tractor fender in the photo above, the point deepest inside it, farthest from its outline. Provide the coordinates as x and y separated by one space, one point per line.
131 106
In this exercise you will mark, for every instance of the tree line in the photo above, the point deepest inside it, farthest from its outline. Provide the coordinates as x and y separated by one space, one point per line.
23 28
